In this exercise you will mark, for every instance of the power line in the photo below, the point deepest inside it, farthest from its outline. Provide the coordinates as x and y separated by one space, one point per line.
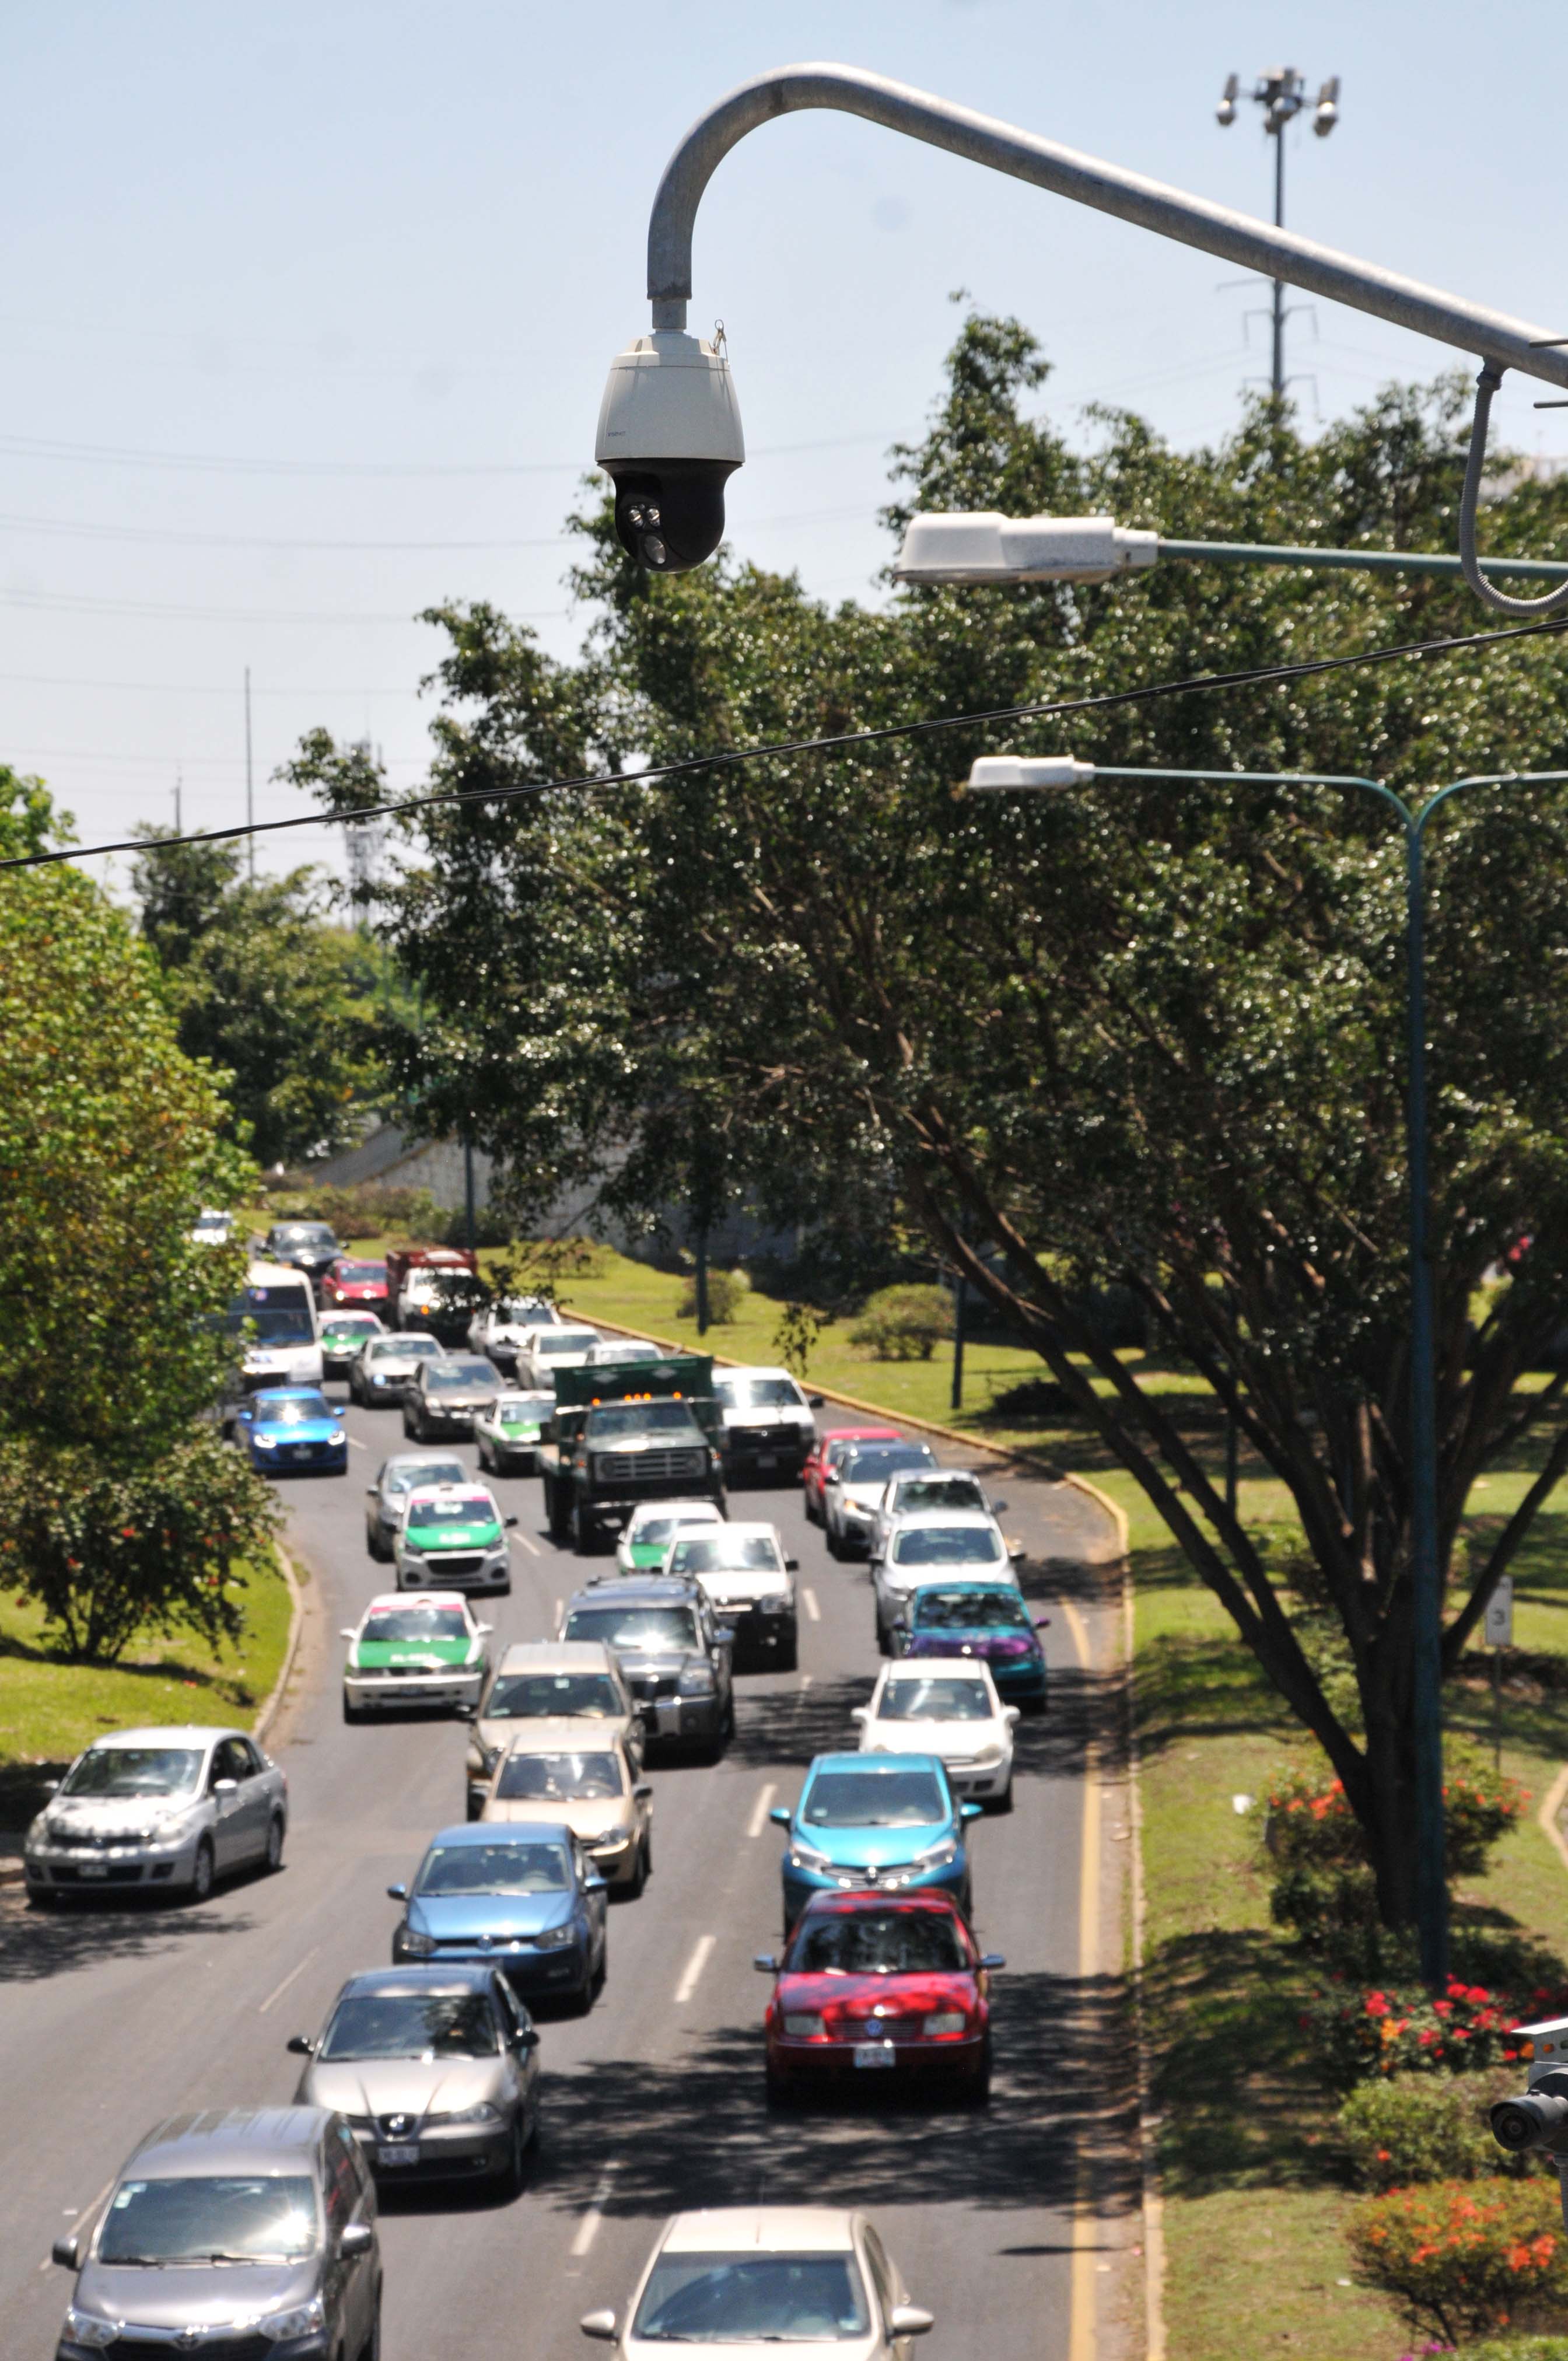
183 688
1255 676
81 530
109 454
70 602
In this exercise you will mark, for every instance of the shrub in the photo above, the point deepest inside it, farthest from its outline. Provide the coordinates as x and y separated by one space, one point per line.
1322 1883
1462 2262
725 1290
1031 1398
1359 2034
903 1323
1429 2128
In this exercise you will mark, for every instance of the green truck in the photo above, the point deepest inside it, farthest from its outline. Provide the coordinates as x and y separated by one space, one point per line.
625 1433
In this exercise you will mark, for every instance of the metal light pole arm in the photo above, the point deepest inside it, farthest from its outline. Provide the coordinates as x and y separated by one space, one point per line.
1355 561
1252 245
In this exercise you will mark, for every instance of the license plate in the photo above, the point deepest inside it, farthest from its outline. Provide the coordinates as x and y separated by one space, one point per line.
873 2053
767 1459
92 1869
404 2155
667 1711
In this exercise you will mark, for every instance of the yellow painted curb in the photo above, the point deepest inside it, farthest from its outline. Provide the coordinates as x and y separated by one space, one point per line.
1546 1819
270 1704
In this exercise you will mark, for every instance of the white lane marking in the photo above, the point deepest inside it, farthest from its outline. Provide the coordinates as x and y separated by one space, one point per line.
701 1953
278 1992
355 1443
84 2214
589 2227
759 1820
812 1608
522 1542
559 1604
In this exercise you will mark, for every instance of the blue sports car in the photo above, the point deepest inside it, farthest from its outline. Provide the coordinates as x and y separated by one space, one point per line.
518 1899
875 1823
293 1426
977 1618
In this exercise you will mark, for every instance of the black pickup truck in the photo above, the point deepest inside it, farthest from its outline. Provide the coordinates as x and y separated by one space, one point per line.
644 1431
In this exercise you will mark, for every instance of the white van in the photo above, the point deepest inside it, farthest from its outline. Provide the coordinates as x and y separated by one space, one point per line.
278 1316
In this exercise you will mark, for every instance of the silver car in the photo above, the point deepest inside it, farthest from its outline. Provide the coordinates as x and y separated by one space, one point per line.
388 1496
927 1488
378 1376
437 2068
173 1809
239 2230
855 1486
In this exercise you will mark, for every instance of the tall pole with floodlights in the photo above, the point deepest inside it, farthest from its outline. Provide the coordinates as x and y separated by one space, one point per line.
1281 92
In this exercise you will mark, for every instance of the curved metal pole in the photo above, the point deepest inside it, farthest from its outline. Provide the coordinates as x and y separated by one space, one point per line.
1235 237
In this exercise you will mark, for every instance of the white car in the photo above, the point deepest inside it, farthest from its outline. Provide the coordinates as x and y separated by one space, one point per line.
854 1487
614 1352
453 1536
414 1647
754 2278
501 1327
946 1706
506 1436
546 1350
747 1577
938 1543
161 1810
213 1228
649 1531
927 1488
768 1426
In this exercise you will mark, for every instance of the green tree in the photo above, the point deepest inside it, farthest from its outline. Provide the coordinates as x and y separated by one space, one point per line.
28 820
1141 1037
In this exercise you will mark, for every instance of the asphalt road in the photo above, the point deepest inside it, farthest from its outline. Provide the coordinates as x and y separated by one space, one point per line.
112 2017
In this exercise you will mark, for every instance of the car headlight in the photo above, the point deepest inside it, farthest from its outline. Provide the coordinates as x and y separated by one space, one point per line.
300 2320
611 1838
556 1938
938 1856
989 1756
417 1946
805 1856
803 2027
264 1441
86 2328
697 1680
483 2114
946 2020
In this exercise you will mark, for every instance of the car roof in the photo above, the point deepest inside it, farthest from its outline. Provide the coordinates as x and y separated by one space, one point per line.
395 1983
628 1589
753 1525
708 1511
483 1832
882 1765
930 1899
861 1435
1005 1581
224 2140
286 1393
262 1273
393 1599
425 1459
969 1520
973 1669
553 1732
756 1369
776 2229
183 1733
440 1491
923 1475
550 1656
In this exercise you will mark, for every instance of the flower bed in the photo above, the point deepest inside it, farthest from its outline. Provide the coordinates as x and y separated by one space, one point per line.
1359 2034
1460 2262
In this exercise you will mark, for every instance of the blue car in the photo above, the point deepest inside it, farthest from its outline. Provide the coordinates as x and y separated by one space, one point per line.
293 1426
875 1823
523 1900
977 1618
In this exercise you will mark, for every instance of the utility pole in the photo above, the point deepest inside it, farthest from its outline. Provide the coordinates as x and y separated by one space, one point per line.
468 1191
249 785
960 1293
179 824
1281 92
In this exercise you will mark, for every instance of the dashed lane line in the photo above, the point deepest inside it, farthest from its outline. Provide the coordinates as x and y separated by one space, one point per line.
702 1951
520 1540
277 1991
759 1820
589 2227
812 1608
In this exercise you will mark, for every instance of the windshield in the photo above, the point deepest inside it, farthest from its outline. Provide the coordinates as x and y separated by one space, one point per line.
113 1771
873 1799
466 1509
422 1471
525 1409
415 1623
499 1868
640 1418
298 1411
461 1373
935 1700
645 1627
971 1610
946 1546
214 1222
759 1393
524 1312
361 1274
412 2025
744 2299
197 2221
918 1492
658 1533
402 1348
607 1355
878 1943
876 1464
565 1340
304 1233
559 1779
351 1324
537 1697
727 1553
276 1315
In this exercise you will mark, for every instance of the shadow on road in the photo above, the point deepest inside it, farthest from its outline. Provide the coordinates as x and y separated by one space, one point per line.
39 1943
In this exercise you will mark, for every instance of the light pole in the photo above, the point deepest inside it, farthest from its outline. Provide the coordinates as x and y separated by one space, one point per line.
1008 772
1281 92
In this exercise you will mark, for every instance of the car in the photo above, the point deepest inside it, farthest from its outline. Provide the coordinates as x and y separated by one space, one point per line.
307 1247
499 1328
746 1575
754 2278
676 1657
377 1375
880 1983
211 1228
506 1435
273 1319
292 1429
453 1536
768 1427
854 1487
435 1290
435 2069
927 1488
526 1901
957 1543
829 1450
985 1620
446 1396
546 1350
946 1706
345 1335
576 1772
350 1285
388 1496
542 1680
412 1648
173 1808
233 2231
648 1531
616 1352
889 1821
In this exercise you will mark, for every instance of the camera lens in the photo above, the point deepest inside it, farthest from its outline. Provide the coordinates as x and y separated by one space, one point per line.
653 550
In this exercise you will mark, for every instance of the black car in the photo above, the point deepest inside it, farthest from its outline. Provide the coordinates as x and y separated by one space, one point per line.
309 1246
676 1660
446 1394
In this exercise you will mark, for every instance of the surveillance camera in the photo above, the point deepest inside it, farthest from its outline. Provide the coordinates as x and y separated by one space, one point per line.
1539 2120
669 435
1225 113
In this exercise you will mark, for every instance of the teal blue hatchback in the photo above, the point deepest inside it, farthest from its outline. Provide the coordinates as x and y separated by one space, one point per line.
881 1824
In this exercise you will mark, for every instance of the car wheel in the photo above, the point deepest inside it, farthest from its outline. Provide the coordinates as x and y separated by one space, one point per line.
584 1532
351 1714
884 1646
273 1858
977 2090
1004 1802
639 1876
201 1885
371 2349
515 2170
835 1547
789 1652
43 1897
780 2092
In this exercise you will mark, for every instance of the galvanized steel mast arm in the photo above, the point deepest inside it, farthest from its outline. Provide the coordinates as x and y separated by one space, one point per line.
1235 238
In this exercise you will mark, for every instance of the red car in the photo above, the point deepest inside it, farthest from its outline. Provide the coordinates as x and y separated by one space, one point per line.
829 1450
354 1286
878 1985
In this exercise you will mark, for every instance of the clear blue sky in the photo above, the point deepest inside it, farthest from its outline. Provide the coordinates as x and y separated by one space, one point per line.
307 241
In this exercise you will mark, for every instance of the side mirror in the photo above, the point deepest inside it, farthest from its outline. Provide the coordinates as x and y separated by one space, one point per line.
815 1400
397 1893
528 2038
991 1959
969 1811
1010 1714
600 2324
831 1476
997 1507
593 1883
67 2253
643 1790
225 1786
791 1566
765 1964
483 1628
370 1491
51 1787
724 1634
465 1712
346 1632
780 1816
1042 1622
909 2320
340 1413
299 2045
357 2239
860 1713
510 1521
1016 1552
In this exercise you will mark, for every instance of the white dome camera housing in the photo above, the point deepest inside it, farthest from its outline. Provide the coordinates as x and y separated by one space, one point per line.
669 435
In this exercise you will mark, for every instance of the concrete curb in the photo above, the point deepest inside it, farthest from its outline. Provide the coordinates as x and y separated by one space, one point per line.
1148 2155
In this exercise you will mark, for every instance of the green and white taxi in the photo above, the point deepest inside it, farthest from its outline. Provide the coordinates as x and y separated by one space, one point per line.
452 1535
506 1434
419 1647
650 1531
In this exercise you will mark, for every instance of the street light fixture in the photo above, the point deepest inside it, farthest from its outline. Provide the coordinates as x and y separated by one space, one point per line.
1281 92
